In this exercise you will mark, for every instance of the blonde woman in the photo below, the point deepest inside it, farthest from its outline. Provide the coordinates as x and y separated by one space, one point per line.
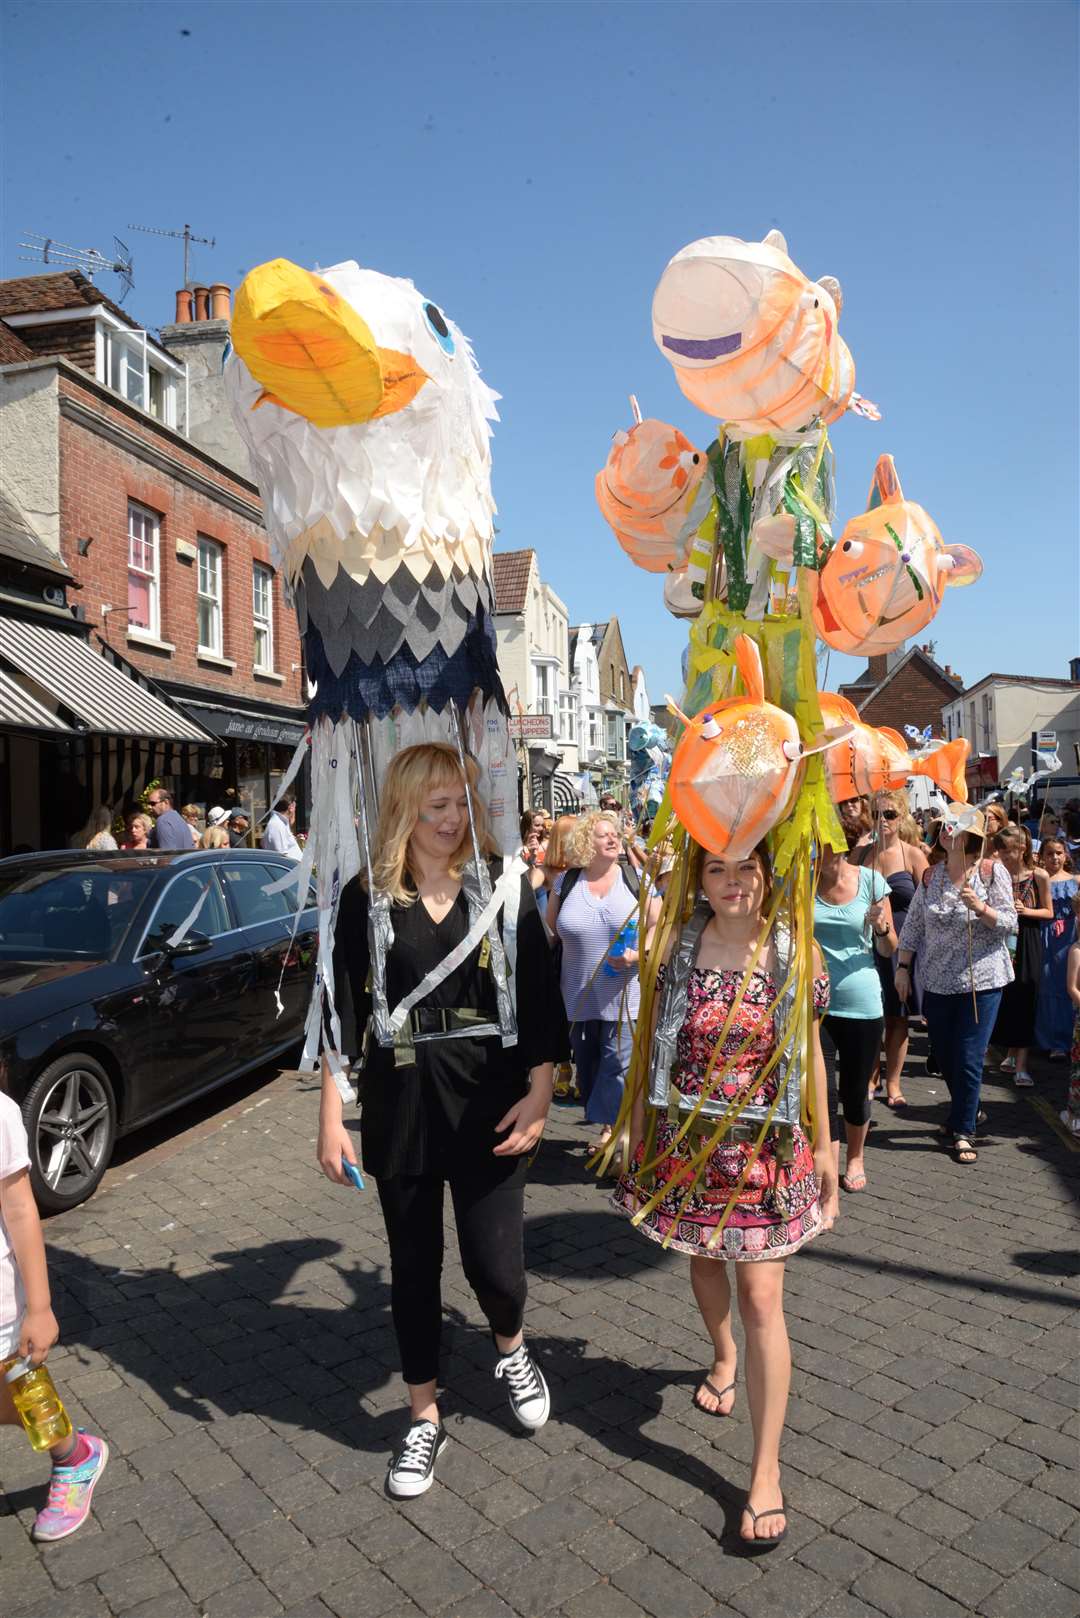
558 857
896 854
139 827
214 837
596 906
192 814
464 1111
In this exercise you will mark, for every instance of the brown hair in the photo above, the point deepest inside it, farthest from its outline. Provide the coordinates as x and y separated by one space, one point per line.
1059 842
560 844
760 853
1011 835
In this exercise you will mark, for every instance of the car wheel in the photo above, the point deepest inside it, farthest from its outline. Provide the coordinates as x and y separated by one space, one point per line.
70 1117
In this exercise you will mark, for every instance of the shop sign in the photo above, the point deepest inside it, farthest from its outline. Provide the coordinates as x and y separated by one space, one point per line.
533 727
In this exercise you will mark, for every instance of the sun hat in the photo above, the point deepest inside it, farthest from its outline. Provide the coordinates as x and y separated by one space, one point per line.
217 816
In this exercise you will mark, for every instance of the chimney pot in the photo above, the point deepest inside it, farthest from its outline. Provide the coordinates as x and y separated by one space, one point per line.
202 303
183 306
219 301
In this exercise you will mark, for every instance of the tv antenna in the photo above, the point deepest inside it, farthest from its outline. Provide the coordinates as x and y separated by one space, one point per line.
184 236
47 250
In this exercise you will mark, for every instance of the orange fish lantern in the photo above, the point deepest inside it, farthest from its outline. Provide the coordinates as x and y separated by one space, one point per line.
646 489
752 339
884 578
739 764
876 759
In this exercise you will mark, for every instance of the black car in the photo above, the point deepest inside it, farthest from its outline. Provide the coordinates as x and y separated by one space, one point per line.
132 982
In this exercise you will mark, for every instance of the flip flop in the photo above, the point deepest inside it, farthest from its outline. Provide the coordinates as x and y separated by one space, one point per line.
756 1544
896 1101
850 1183
717 1393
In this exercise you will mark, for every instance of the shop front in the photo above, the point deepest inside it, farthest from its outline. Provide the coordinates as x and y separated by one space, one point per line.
255 748
80 732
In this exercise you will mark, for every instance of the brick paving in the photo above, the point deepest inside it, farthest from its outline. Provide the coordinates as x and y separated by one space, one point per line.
225 1319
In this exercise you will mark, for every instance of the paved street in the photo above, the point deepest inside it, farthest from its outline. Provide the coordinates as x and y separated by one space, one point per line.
226 1325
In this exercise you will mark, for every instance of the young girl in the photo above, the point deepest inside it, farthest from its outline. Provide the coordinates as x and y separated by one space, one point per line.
1053 1010
1071 1116
1015 1025
788 1197
28 1330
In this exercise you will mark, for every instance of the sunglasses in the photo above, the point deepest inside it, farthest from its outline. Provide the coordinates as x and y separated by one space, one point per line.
888 814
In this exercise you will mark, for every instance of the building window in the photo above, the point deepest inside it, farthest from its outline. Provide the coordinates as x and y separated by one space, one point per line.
596 733
144 535
262 606
567 717
210 596
544 684
973 733
986 723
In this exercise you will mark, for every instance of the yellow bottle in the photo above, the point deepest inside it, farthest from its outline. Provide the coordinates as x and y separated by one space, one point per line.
37 1402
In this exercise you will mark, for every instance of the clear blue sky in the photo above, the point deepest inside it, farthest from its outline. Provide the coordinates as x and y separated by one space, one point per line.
533 167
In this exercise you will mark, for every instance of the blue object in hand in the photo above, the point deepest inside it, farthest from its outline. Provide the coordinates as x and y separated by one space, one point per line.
352 1173
624 940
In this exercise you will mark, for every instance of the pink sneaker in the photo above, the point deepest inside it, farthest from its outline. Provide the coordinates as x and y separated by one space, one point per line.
70 1491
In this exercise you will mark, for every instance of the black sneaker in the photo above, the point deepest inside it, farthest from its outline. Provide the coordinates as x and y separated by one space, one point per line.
412 1470
529 1397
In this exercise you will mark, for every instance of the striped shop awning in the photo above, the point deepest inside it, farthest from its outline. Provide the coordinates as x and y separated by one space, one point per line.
22 711
104 700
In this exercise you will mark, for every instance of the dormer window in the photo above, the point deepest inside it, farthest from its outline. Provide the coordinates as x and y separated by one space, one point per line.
128 365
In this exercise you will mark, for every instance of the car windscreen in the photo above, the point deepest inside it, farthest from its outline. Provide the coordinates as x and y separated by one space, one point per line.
68 915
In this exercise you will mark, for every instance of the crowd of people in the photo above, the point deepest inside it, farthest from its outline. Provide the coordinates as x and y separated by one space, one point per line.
963 924
161 825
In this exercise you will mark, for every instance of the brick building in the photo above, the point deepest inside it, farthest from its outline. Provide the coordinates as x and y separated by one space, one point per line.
904 688
168 575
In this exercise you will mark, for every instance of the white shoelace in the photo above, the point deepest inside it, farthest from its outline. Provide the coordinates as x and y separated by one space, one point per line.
416 1448
521 1374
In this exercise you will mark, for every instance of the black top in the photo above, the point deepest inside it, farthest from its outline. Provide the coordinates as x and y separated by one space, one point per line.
442 1112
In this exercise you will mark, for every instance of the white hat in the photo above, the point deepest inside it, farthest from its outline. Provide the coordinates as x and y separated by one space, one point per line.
217 817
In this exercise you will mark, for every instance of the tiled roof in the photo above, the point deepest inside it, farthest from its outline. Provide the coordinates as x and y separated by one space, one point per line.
511 570
37 294
12 347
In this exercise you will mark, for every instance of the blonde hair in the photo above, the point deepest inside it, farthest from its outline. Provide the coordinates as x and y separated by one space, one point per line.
138 815
413 773
580 844
908 826
1010 834
191 811
560 844
215 837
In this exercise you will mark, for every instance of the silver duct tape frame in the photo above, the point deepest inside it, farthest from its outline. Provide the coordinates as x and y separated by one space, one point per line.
672 1015
476 885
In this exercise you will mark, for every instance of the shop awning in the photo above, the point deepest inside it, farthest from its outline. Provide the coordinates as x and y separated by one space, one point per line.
243 725
101 698
22 711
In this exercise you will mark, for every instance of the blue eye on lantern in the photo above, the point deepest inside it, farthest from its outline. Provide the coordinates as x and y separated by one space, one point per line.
436 323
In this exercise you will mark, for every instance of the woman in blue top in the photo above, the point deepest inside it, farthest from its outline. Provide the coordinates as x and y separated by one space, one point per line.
852 920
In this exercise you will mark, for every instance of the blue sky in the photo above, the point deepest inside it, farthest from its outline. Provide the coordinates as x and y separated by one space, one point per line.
533 167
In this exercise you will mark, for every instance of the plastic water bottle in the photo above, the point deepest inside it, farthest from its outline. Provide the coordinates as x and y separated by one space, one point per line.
624 940
37 1403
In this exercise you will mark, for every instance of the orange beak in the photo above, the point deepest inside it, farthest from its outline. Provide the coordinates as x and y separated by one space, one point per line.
312 351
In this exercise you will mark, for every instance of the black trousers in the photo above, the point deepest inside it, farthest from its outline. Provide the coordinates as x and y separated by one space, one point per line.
850 1046
489 1214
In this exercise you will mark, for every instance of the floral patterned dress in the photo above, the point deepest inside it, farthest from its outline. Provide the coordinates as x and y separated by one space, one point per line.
778 1208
